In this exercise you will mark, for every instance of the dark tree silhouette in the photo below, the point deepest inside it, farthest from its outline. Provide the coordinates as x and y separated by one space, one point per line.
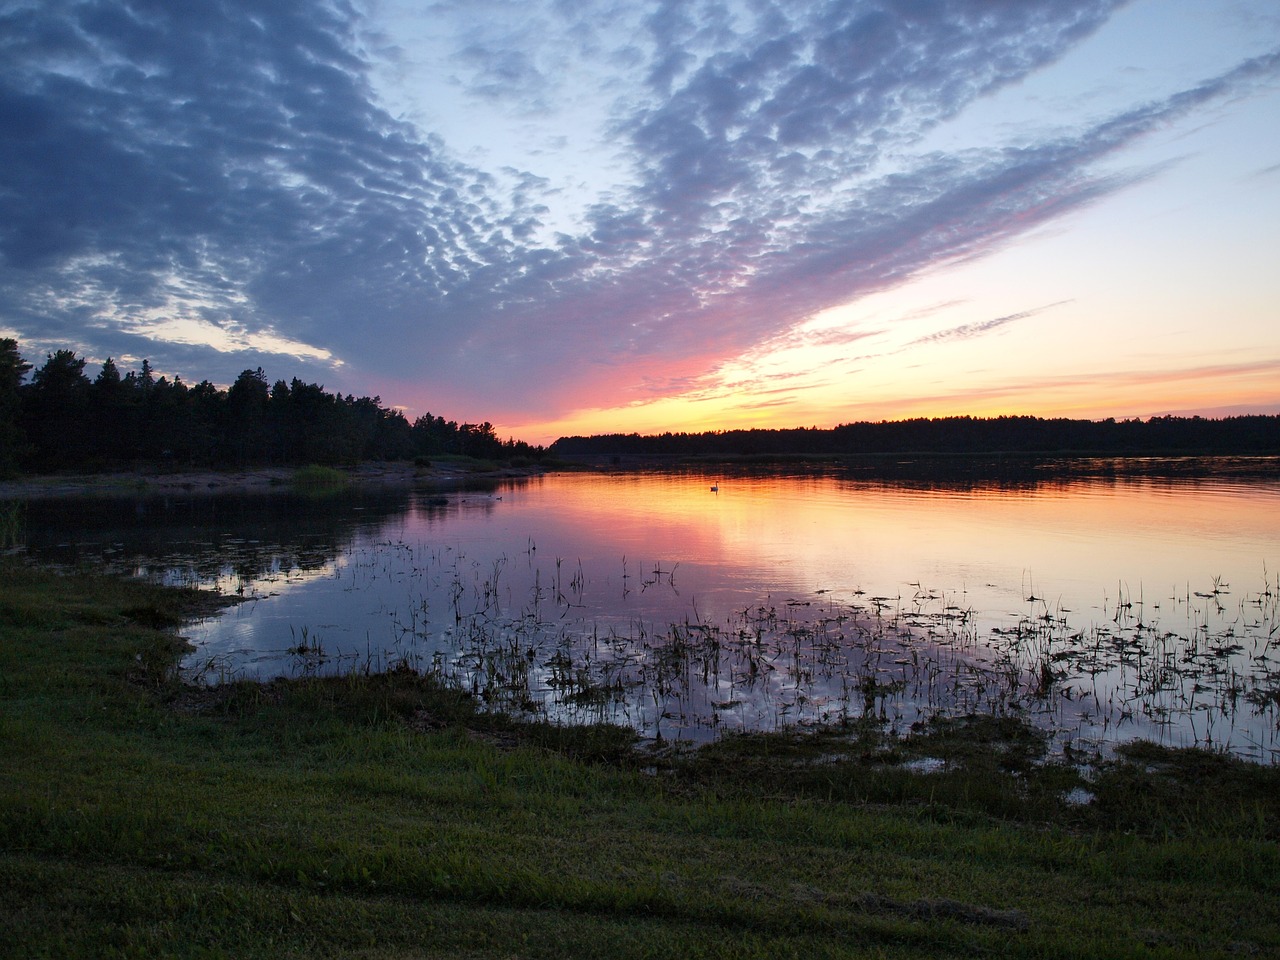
62 420
245 415
55 412
954 436
12 371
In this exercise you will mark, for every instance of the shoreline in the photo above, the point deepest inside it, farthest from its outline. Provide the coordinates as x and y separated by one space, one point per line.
128 483
154 481
320 816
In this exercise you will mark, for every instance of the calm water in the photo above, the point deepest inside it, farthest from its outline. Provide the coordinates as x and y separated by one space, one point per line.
1103 609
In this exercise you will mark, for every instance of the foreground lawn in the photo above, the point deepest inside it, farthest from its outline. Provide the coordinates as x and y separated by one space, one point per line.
384 817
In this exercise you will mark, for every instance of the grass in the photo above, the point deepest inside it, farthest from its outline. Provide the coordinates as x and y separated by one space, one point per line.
383 816
319 480
12 523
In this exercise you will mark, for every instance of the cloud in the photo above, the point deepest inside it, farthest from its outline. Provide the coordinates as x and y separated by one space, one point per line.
169 169
968 331
1084 389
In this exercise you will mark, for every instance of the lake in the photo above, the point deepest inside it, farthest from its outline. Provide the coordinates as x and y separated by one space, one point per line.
686 604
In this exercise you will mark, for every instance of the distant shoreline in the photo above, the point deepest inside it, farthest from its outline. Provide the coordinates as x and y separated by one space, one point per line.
941 467
148 482
944 466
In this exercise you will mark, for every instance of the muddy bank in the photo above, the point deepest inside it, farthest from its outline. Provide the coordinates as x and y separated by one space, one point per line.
259 479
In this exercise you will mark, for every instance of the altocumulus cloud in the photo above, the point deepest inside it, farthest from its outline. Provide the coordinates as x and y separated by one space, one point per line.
209 184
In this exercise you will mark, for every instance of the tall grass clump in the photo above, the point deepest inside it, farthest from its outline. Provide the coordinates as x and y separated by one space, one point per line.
13 524
318 480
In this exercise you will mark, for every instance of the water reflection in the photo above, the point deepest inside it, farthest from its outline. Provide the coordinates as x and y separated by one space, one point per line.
1105 608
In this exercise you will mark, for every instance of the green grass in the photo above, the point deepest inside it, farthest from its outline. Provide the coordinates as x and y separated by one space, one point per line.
382 816
319 480
13 523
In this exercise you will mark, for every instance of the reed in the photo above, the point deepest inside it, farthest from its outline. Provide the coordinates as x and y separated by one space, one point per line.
898 662
13 524
315 480
1200 667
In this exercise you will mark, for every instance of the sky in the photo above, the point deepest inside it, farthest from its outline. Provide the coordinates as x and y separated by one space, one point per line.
612 215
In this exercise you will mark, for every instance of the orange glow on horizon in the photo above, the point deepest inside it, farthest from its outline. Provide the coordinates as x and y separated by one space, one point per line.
1121 398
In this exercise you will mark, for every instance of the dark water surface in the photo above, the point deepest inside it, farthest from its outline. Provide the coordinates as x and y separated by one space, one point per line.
1104 609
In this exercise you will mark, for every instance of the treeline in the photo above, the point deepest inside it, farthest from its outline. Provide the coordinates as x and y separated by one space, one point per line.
60 419
1029 436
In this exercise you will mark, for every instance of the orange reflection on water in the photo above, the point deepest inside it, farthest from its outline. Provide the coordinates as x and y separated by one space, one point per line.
997 542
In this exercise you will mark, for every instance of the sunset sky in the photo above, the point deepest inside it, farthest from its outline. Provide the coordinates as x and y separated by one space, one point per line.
598 216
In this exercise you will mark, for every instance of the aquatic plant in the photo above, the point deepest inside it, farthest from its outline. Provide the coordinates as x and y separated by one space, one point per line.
1184 670
318 480
563 638
13 523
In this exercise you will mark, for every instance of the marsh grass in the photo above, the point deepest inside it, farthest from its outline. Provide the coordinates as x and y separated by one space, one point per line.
13 524
319 481
1199 667
385 815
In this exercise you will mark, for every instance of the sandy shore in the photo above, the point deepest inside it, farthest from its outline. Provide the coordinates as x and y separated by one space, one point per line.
132 483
